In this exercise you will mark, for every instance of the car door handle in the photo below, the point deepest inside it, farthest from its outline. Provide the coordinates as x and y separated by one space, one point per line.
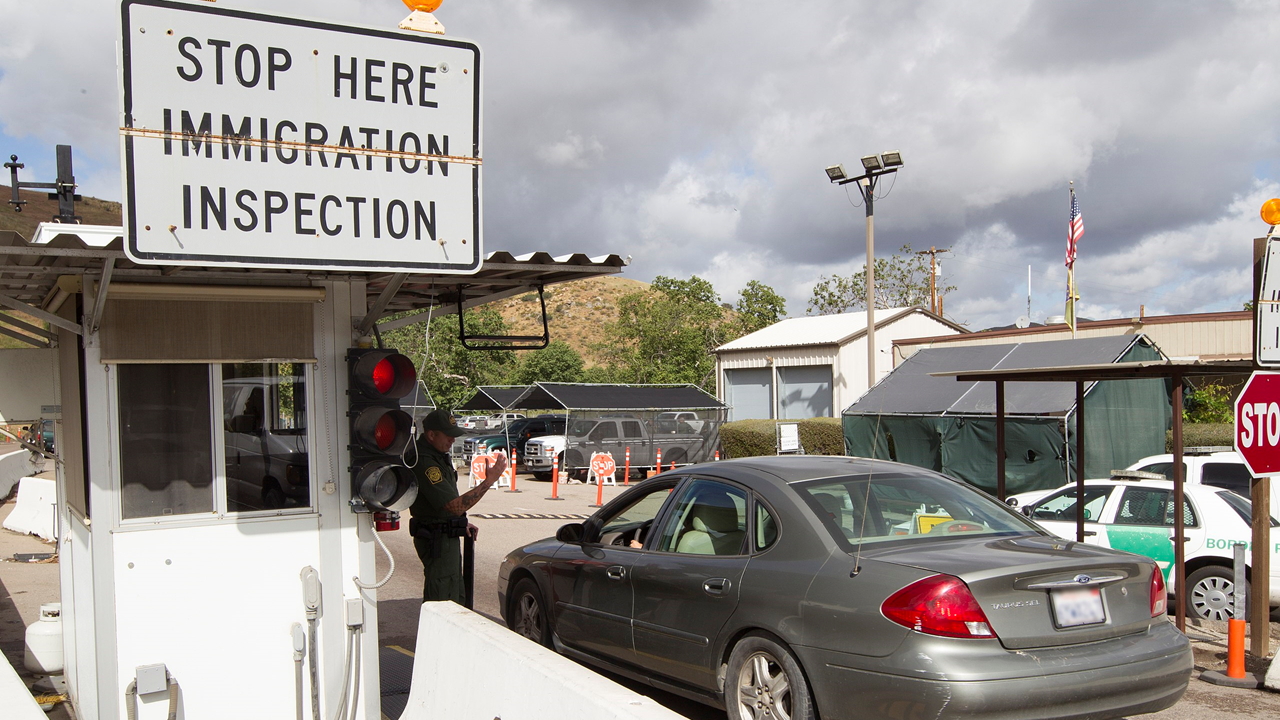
1088 533
717 586
617 572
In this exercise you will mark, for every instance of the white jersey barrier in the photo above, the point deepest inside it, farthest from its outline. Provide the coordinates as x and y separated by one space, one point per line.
535 682
13 467
36 510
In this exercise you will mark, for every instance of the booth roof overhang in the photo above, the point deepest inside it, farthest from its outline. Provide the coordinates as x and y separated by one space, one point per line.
34 280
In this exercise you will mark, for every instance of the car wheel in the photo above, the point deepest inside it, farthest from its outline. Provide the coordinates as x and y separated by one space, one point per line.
528 615
765 681
1212 593
542 476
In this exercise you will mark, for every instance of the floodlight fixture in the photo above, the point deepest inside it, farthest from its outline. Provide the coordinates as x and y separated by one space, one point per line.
871 163
836 173
891 158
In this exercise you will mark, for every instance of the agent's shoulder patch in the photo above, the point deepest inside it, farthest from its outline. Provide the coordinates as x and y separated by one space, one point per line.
434 475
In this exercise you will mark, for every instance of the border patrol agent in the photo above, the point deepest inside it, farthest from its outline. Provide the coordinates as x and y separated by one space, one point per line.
438 517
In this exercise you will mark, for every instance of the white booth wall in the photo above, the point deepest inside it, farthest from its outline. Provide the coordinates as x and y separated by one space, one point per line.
212 595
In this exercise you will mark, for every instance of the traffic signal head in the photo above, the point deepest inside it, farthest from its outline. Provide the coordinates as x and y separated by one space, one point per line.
380 430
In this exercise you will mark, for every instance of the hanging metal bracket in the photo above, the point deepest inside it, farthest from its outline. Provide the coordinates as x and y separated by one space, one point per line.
505 342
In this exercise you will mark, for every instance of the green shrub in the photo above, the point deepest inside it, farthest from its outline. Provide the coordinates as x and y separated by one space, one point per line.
755 438
1202 435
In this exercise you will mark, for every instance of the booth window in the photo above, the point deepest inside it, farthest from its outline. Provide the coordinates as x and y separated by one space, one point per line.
168 439
166 446
264 418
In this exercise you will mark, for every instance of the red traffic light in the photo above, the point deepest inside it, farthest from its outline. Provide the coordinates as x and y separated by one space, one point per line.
382 430
383 375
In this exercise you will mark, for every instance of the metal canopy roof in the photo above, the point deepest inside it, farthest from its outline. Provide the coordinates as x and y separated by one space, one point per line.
922 384
493 397
29 273
575 396
1141 370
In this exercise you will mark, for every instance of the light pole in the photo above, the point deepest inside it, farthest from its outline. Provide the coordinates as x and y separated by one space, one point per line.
874 167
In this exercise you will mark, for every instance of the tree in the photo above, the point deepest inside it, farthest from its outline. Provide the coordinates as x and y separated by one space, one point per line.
557 362
452 372
759 307
1209 403
666 334
902 280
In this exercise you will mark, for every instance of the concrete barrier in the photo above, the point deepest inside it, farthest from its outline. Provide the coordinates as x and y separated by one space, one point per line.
13 467
14 696
35 511
521 679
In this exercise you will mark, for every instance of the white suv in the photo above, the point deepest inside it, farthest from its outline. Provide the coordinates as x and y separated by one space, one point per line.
1215 466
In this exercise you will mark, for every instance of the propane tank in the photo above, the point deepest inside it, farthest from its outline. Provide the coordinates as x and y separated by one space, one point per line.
43 654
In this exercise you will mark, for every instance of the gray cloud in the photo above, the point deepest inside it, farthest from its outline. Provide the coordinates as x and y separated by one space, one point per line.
692 135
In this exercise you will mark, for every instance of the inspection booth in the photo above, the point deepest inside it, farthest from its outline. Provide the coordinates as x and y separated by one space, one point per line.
204 491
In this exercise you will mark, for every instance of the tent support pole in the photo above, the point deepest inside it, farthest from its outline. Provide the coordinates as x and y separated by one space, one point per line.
1079 461
1179 536
1000 489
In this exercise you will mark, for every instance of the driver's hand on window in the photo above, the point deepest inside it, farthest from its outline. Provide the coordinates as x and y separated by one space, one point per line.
637 544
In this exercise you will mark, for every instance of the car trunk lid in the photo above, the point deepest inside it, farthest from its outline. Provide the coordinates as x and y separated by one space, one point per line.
1039 591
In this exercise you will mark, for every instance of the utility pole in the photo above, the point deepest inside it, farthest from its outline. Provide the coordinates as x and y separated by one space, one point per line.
932 252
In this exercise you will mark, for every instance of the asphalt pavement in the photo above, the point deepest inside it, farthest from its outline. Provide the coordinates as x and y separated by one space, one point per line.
508 520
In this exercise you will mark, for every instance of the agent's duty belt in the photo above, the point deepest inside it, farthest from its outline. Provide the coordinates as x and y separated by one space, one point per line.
434 532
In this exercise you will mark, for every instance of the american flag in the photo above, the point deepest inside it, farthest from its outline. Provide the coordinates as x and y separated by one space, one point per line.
1074 230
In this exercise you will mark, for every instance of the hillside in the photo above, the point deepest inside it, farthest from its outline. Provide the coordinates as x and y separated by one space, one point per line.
40 208
576 311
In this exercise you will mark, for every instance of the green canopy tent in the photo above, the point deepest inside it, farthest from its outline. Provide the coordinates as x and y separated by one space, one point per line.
914 417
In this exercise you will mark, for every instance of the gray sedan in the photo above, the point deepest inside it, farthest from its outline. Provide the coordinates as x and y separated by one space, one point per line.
805 587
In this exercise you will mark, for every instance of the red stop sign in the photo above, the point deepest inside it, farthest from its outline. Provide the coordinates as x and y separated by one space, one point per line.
1257 436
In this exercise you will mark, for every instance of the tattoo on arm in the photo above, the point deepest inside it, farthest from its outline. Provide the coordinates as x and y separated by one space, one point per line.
463 502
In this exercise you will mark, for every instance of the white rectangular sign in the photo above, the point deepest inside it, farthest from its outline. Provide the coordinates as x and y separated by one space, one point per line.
1266 312
255 140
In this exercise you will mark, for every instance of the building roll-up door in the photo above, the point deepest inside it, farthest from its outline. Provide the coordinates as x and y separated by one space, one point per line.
747 392
804 392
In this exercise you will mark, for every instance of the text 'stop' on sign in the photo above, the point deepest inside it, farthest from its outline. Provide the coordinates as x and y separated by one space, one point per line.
255 140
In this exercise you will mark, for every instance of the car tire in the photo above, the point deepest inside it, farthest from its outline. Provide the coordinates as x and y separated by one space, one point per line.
764 680
1211 593
542 476
527 616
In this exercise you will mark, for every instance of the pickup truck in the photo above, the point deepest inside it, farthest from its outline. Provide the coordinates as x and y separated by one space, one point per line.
520 431
615 435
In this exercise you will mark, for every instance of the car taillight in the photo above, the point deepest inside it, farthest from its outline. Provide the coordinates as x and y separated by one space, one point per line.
1159 597
938 605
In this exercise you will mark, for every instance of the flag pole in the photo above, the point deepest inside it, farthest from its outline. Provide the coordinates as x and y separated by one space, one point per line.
1071 262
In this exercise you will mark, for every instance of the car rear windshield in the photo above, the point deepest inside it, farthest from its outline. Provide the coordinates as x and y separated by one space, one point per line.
1243 507
887 507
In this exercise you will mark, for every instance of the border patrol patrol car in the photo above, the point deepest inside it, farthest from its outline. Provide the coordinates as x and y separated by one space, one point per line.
1137 516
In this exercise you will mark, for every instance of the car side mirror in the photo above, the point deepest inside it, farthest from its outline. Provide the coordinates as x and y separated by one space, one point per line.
1026 510
1011 502
571 533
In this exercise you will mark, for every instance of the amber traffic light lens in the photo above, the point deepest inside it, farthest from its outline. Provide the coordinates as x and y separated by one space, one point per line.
1271 211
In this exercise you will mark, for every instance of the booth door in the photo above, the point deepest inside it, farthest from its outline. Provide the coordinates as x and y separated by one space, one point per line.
216 520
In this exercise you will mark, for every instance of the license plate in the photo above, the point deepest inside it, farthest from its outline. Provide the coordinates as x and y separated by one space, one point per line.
1078 606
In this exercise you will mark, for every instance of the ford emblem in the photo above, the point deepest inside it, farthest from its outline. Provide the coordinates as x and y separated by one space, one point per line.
1084 579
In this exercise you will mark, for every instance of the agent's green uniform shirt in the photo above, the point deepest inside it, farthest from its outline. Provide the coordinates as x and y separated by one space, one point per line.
437 485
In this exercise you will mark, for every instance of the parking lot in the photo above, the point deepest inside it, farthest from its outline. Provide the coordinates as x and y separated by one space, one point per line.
508 520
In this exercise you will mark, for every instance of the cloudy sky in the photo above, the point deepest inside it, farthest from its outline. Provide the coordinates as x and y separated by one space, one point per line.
692 135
